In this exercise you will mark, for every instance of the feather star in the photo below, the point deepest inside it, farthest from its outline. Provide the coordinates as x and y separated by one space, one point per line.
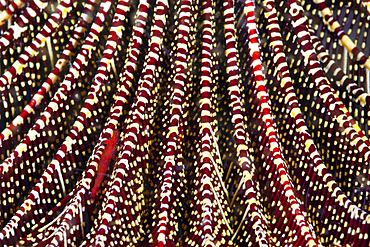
184 123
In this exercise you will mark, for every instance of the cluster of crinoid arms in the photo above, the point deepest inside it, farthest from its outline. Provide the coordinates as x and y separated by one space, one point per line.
184 123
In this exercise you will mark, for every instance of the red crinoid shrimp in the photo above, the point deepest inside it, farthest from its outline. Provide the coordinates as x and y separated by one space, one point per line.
109 152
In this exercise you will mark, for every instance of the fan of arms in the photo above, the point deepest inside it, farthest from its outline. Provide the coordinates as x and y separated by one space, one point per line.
184 123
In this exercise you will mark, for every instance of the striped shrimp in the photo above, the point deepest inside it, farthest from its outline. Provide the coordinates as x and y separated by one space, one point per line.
109 152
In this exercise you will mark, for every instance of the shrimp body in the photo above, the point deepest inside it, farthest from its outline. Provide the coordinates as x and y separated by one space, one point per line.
109 152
